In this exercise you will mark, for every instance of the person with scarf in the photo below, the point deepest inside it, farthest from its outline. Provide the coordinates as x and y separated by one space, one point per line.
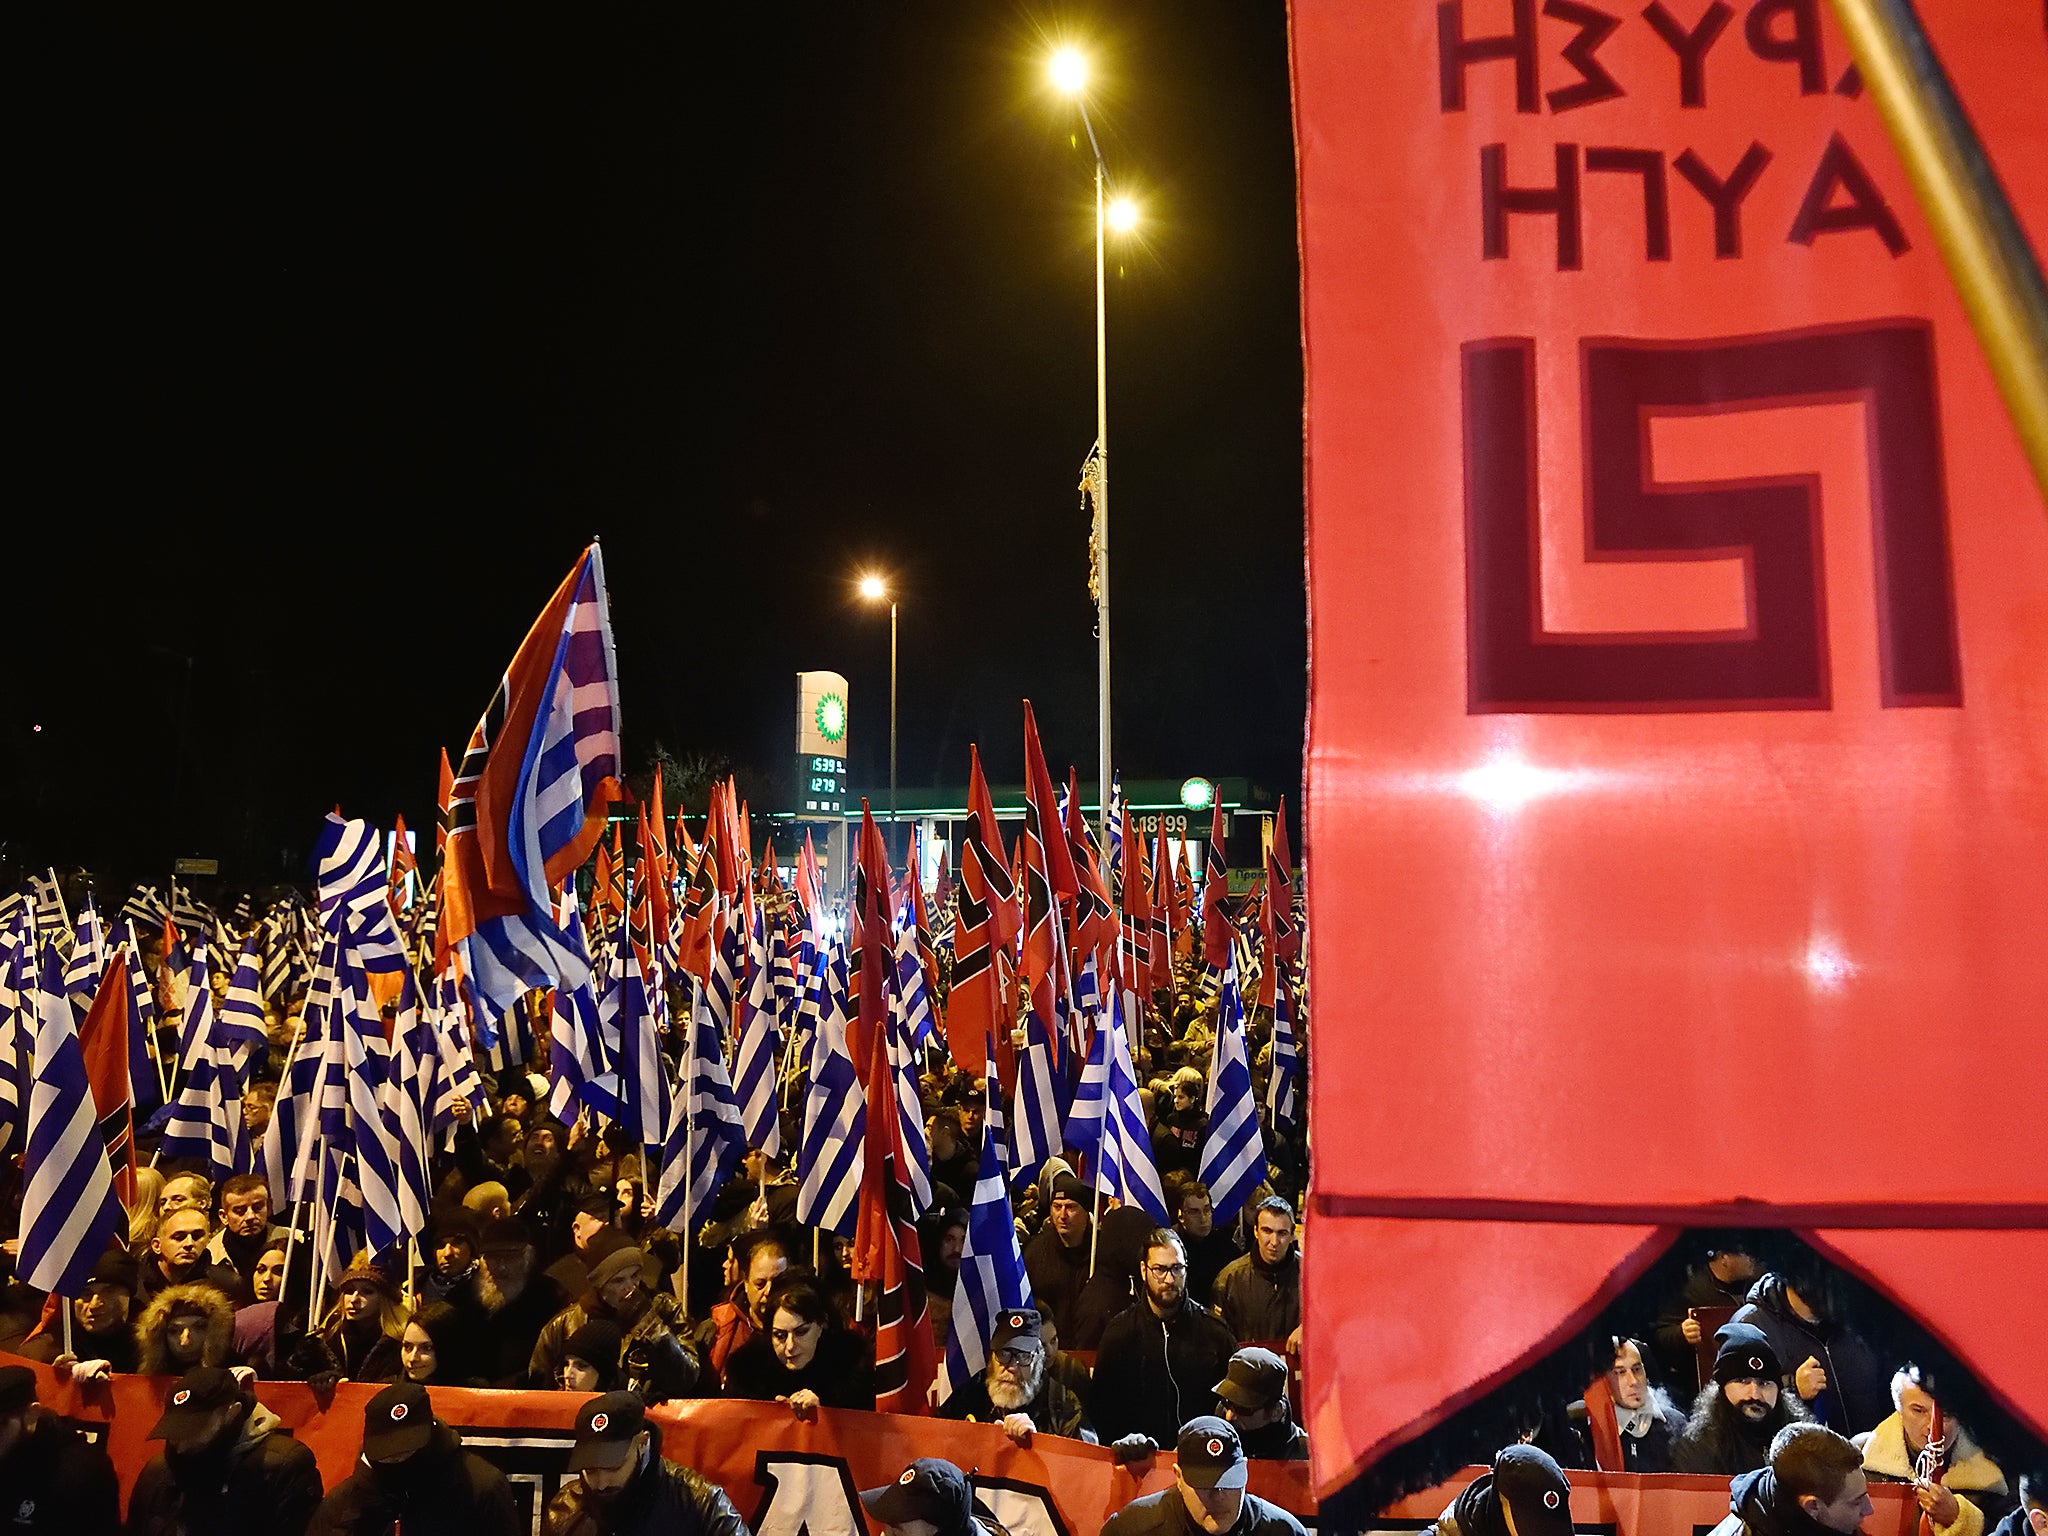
1626 1423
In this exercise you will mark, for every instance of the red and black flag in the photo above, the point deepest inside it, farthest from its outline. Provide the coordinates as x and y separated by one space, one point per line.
1280 890
1217 933
985 927
1169 915
403 864
1135 967
870 950
1093 928
1048 871
103 1038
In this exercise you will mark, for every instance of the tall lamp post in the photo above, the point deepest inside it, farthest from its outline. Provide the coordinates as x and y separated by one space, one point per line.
1069 71
874 588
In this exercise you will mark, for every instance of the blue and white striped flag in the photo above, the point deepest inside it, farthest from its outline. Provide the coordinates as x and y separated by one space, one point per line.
242 1026
366 1055
992 1276
410 1095
705 1139
583 1076
1124 1166
909 997
68 1211
206 1116
1035 1110
142 1066
645 1098
1283 1080
459 1077
754 1065
17 1024
1113 829
916 1174
1233 1155
831 1159
53 925
88 960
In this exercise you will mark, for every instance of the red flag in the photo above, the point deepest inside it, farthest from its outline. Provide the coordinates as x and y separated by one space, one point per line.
103 1037
1280 889
1135 967
1048 870
1269 957
1169 917
1216 929
984 927
444 793
1093 929
402 864
808 883
869 952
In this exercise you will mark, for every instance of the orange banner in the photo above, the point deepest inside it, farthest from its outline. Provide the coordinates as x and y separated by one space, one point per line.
1678 781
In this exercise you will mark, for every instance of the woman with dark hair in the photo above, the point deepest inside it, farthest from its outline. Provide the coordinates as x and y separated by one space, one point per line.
434 1350
805 1358
590 1360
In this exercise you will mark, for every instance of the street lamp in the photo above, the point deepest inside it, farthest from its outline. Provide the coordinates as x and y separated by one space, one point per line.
1069 71
874 588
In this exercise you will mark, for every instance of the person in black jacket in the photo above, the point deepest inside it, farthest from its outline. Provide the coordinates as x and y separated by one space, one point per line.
1836 1375
2030 1516
1016 1390
624 1486
51 1478
228 1468
1814 1484
1647 1422
508 1304
1253 1397
1209 1493
933 1498
1525 1494
1159 1357
415 1476
1723 1280
1740 1411
1057 1257
805 1359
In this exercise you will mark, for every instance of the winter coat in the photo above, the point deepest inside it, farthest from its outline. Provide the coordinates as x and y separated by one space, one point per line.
1982 1495
505 1338
116 1346
652 1359
217 1348
262 1483
1724 1443
55 1481
1654 1450
1680 1361
663 1499
1257 1302
1208 1257
1058 1276
440 1488
842 1372
1166 1514
1282 1440
732 1325
1756 1508
1858 1392
1055 1411
1153 1374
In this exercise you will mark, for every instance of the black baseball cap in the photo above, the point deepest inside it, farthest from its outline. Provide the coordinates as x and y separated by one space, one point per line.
605 1428
1535 1489
397 1422
1255 1381
1211 1455
196 1394
927 1489
1023 1323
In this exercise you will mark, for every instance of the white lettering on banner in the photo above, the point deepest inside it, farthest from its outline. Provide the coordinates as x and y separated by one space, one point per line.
805 1496
1023 1508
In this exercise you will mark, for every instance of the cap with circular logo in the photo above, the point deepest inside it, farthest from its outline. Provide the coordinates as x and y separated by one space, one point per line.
1210 1454
397 1422
197 1394
1742 1351
1255 1381
927 1489
1013 1326
1535 1489
605 1429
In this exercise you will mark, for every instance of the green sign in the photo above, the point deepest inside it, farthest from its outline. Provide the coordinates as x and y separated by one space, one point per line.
1198 794
831 717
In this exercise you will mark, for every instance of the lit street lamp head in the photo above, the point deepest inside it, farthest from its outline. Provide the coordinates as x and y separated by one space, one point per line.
873 587
1123 215
1069 70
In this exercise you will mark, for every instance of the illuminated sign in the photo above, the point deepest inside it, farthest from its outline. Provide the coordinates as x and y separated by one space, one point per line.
1198 794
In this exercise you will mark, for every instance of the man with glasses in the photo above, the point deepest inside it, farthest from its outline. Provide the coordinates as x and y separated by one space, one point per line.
1016 1390
1159 1357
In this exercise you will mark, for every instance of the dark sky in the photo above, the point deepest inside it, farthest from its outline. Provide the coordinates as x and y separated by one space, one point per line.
347 327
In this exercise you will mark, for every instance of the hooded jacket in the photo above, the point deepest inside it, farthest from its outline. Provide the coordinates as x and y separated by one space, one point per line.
54 1481
663 1499
151 1333
261 1482
441 1488
1858 1392
1756 1508
1153 1374
1474 1511
1980 1488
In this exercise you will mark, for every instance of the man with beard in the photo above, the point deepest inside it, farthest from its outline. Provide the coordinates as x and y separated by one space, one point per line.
245 1229
510 1304
1016 1390
1158 1355
1646 1423
1057 1258
1814 1483
1525 1494
1259 1295
1737 1413
1209 1250
942 1239
1208 1493
1253 1397
101 1338
1891 1454
229 1467
51 1478
555 1189
624 1486
453 1258
955 1160
415 1476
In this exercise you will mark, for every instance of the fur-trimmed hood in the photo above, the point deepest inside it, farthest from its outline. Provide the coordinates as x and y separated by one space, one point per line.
1969 1469
156 1318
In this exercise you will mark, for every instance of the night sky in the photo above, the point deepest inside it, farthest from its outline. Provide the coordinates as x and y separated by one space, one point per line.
348 327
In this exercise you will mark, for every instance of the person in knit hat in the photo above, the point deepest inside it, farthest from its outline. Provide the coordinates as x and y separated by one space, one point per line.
1738 1413
364 1330
590 1359
655 1362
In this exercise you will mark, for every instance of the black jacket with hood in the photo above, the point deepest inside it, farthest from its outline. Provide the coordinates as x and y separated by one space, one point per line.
1858 1394
258 1481
441 1487
663 1499
1757 1508
54 1481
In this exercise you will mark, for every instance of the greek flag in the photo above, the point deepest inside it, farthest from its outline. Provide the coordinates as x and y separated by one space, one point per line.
68 1211
910 999
53 926
1035 1111
916 1173
349 870
1113 1124
1233 1157
17 1025
992 1276
830 1161
583 1077
705 1140
1113 828
206 1116
366 1056
88 960
644 1097
754 1074
242 1026
459 1079
408 1104
145 907
1283 1097
142 1069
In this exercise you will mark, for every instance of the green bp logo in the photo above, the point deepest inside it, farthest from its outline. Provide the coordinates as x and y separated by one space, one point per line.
831 717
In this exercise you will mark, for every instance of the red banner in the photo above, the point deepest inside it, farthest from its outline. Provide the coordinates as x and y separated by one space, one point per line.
786 1477
1678 813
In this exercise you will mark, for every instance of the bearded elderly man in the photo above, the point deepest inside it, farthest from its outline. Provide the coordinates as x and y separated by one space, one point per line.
1208 1493
1016 1390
